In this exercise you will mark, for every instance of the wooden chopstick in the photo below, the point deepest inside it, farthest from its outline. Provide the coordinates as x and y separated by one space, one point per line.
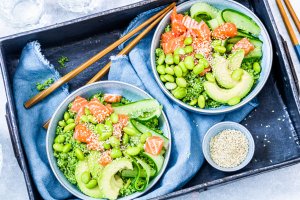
293 14
40 96
287 23
124 51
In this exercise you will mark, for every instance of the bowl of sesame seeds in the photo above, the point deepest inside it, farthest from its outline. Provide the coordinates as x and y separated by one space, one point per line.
228 146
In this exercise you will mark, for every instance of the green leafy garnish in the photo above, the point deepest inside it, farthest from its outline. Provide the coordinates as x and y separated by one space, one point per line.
46 84
62 61
168 28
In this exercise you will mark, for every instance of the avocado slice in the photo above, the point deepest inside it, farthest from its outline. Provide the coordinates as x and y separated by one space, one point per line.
110 184
94 167
235 59
221 95
222 73
81 167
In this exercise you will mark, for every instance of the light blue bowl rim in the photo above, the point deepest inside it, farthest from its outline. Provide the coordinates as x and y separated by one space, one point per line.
223 126
268 56
66 184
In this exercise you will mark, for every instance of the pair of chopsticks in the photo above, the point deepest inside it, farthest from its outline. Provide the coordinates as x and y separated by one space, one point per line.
289 25
150 23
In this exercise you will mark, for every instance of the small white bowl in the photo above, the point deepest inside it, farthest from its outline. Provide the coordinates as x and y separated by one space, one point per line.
215 130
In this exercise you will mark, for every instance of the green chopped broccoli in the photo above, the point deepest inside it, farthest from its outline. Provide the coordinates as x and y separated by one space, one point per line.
46 84
62 61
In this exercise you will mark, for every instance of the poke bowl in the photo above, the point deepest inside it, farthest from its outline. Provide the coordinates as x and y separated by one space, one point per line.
211 57
108 140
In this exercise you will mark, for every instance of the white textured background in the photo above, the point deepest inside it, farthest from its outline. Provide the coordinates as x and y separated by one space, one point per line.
276 185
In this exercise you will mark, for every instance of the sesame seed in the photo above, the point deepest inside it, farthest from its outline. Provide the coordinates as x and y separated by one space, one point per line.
229 148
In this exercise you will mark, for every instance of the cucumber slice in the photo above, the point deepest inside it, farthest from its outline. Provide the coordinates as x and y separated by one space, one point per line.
241 21
203 11
144 129
213 23
245 34
254 55
144 109
158 160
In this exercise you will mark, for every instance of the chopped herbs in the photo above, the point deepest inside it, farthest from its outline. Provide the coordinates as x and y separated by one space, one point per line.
62 61
168 28
46 84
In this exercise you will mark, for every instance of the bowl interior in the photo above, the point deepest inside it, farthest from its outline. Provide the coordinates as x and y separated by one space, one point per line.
128 91
266 62
216 129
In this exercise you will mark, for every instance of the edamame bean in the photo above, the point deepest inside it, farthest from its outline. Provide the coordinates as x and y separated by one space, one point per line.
169 59
59 139
176 58
210 77
115 153
161 69
215 43
188 49
125 139
233 101
69 127
106 146
181 82
69 121
99 128
58 147
105 135
86 177
92 119
189 62
237 74
67 148
179 51
193 102
133 151
91 184
199 56
114 142
220 49
114 118
169 70
130 131
66 116
87 111
105 131
79 154
162 78
203 62
144 137
84 118
216 54
198 69
201 101
178 71
62 123
141 146
256 67
179 92
170 86
161 59
229 47
169 78
182 67
188 40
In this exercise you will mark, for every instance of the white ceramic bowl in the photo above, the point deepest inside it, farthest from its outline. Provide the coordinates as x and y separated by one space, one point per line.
266 62
215 130
130 92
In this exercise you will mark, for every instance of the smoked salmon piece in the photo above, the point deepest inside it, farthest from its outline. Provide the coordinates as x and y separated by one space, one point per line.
112 98
78 103
99 110
244 44
224 31
154 145
82 133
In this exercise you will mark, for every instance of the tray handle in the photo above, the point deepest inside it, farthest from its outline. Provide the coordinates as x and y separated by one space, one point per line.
12 135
